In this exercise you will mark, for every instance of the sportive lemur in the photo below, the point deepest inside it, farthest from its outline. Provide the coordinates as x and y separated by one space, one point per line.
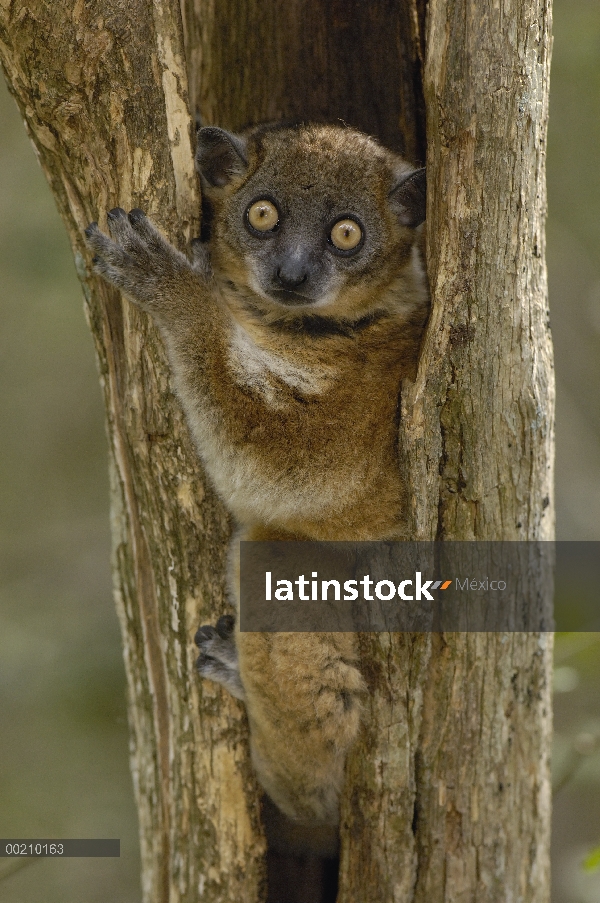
288 334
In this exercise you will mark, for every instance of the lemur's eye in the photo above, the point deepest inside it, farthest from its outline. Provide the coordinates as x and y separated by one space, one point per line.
346 235
263 216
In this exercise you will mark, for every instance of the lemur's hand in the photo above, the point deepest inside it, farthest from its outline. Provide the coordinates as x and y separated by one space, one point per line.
139 261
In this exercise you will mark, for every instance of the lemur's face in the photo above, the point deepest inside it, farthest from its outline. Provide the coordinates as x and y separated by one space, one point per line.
300 249
304 222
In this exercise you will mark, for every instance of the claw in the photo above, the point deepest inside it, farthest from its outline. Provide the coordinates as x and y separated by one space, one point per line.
225 626
89 231
116 213
136 215
204 633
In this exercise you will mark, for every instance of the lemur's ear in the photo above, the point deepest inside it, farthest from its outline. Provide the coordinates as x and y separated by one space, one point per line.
408 199
220 156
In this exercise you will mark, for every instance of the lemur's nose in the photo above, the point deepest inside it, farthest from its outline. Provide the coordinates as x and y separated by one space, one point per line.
293 268
291 278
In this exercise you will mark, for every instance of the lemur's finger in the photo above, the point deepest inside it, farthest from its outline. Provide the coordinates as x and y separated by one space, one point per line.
105 249
200 256
148 233
116 274
225 626
122 229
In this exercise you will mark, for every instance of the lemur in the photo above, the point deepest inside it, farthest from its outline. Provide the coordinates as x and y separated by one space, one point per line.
289 331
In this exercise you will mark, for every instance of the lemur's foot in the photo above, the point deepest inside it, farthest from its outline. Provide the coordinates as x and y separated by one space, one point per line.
218 659
137 259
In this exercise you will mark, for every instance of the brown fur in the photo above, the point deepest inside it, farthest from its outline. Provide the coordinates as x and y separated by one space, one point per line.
293 406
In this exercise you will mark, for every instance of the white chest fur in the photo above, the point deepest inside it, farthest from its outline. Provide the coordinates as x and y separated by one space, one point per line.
268 373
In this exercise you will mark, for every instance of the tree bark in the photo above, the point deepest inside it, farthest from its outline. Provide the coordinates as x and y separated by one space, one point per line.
448 790
453 770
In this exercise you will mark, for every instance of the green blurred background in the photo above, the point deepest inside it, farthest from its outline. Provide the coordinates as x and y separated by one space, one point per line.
63 731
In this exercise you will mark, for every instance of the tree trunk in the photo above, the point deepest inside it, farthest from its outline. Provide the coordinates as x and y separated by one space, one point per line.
448 790
102 87
453 770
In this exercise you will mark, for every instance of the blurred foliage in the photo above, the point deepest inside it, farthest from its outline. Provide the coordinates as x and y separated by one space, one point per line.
63 744
574 283
592 862
574 262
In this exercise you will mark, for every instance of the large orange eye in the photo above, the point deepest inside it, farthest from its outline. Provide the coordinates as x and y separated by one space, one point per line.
346 234
263 216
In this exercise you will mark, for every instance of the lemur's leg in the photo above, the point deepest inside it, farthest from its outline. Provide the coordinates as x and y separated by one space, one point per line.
303 697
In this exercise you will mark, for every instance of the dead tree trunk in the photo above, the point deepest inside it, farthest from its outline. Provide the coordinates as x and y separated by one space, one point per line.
448 793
